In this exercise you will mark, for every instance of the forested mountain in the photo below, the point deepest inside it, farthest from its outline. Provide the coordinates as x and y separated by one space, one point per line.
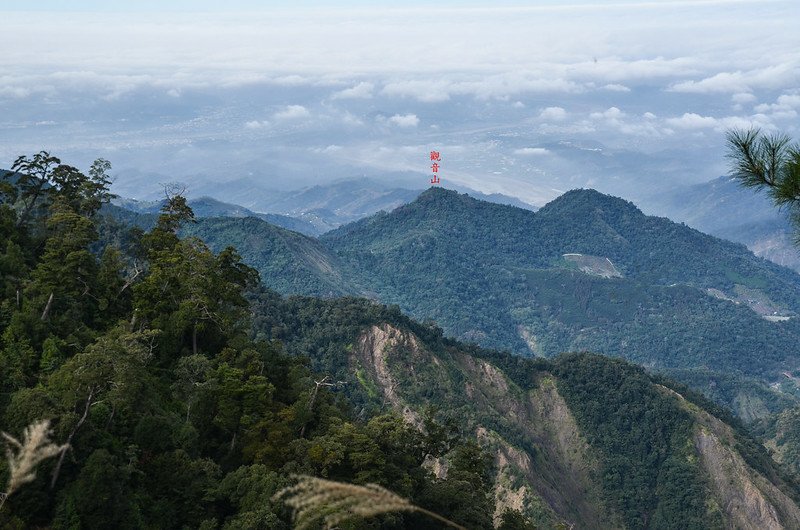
586 272
294 263
186 395
210 207
310 210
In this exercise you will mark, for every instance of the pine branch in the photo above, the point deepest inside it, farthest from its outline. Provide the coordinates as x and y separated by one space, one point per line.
761 161
314 498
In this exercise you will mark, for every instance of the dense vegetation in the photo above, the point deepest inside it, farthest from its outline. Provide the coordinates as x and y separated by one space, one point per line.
648 465
495 275
174 416
293 263
782 434
297 264
648 469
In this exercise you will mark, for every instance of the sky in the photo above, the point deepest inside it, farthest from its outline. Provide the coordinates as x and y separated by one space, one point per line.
528 99
260 5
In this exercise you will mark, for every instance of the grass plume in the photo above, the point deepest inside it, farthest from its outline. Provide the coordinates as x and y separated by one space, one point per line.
23 457
314 498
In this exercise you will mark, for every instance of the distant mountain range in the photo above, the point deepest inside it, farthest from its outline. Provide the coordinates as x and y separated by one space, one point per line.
723 208
719 207
317 209
209 207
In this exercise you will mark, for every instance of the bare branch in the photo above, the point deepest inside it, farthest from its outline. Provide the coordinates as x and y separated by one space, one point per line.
66 446
129 281
47 307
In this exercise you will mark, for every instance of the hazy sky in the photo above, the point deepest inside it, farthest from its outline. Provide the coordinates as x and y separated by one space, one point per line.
516 96
260 5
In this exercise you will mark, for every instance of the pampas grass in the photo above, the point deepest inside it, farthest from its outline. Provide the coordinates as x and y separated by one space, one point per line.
314 498
23 457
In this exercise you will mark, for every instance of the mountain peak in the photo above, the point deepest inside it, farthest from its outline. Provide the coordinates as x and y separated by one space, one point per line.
437 193
437 200
586 200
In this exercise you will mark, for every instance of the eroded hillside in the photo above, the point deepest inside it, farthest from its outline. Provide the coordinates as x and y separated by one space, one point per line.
544 463
582 439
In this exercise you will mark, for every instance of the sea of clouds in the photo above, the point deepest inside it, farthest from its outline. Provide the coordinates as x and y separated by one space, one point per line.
628 97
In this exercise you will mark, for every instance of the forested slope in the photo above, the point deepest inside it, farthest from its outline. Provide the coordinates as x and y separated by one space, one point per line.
581 439
170 415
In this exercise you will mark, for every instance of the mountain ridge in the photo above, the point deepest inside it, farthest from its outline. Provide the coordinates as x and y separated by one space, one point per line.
678 300
498 276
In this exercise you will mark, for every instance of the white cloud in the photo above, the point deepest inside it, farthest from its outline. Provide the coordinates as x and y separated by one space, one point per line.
745 122
518 82
742 49
642 126
770 77
363 90
612 113
697 122
784 103
690 120
553 113
255 124
743 97
285 80
351 119
406 120
652 41
427 91
14 92
482 86
330 149
616 87
789 100
531 151
721 82
292 112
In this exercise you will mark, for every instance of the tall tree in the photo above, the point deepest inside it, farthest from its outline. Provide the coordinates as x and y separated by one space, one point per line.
190 293
33 181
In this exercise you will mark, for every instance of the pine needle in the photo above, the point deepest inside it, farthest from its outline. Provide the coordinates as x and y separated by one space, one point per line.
23 457
314 498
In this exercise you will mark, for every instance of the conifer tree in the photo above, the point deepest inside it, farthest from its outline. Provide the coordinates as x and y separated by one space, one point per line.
768 162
